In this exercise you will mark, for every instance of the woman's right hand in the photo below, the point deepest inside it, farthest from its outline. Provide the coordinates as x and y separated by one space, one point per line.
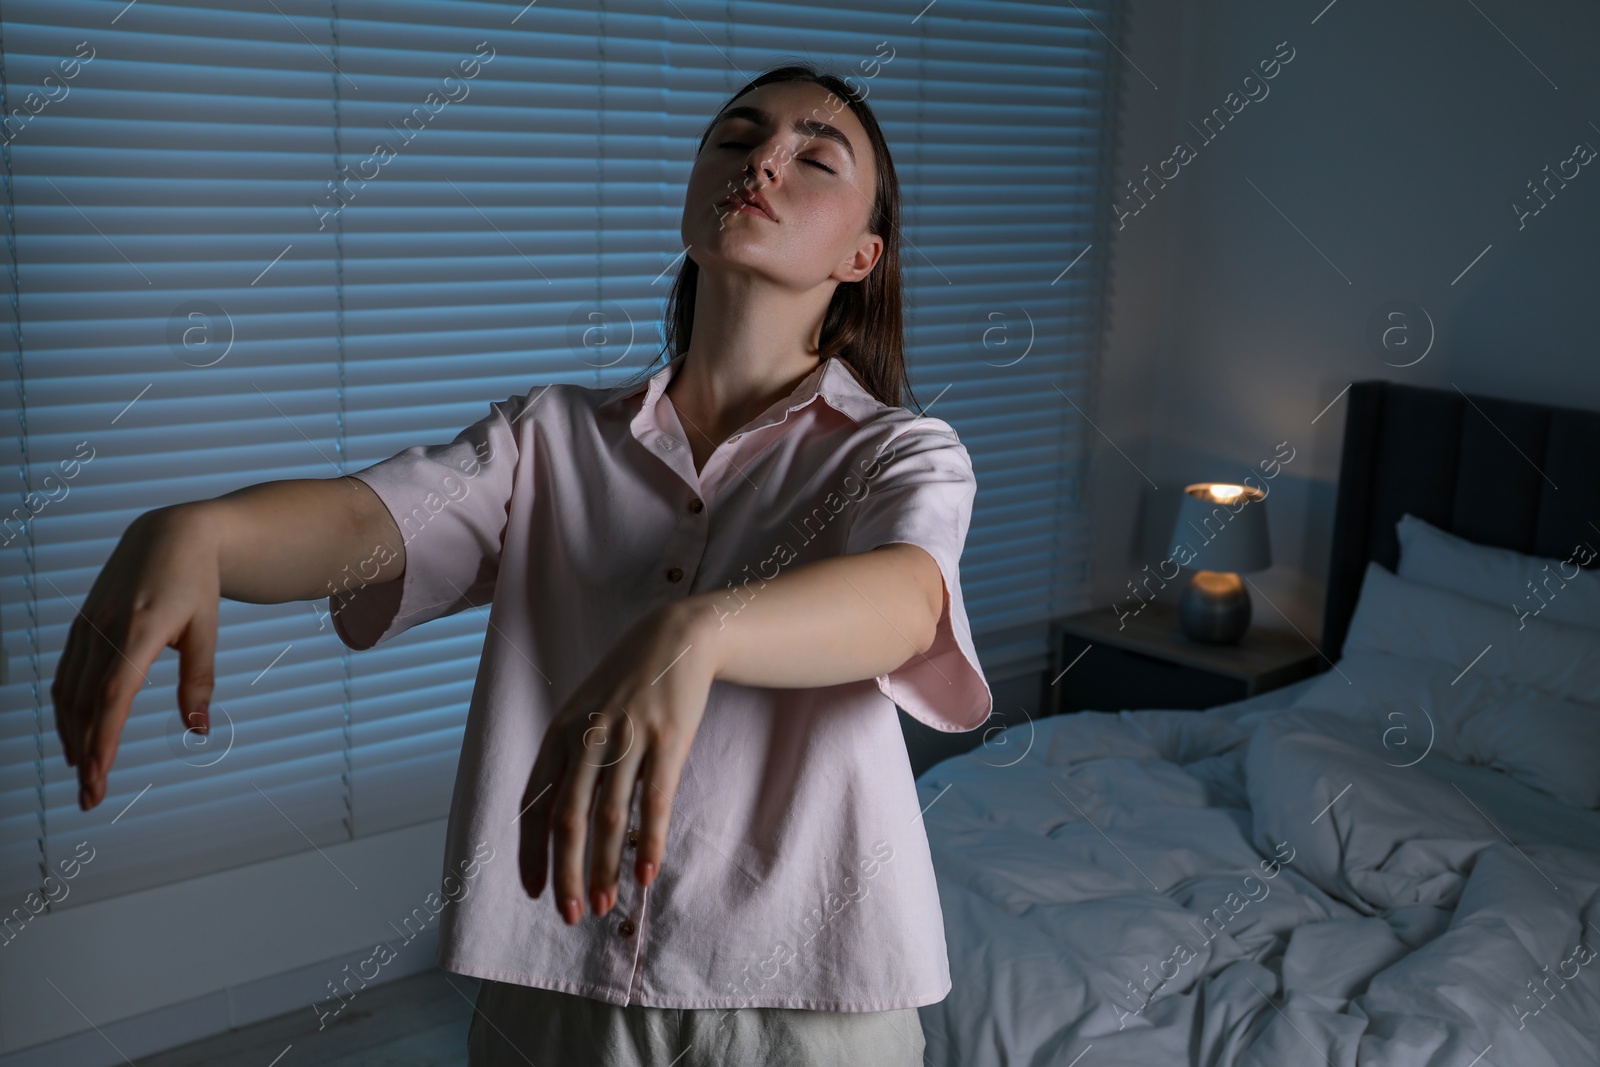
161 588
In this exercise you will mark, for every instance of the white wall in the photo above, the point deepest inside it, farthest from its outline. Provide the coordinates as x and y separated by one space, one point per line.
179 962
1395 140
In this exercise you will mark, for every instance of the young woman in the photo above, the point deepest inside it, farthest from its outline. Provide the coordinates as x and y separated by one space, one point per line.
709 589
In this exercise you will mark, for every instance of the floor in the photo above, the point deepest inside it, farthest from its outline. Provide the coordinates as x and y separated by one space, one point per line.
419 1021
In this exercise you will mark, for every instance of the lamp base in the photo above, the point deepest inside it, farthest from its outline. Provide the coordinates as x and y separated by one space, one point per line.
1215 608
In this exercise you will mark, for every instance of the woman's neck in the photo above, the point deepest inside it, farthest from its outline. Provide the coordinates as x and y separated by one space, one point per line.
751 344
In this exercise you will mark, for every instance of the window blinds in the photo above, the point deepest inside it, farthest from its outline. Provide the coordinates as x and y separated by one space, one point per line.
252 240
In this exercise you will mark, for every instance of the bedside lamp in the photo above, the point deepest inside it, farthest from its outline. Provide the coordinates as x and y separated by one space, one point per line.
1223 530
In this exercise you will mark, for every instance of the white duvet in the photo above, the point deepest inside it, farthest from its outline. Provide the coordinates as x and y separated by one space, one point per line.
1164 887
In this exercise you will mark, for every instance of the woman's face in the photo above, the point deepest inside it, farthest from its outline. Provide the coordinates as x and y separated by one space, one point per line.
805 152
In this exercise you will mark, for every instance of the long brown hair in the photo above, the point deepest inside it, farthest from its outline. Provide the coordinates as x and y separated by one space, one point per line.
864 325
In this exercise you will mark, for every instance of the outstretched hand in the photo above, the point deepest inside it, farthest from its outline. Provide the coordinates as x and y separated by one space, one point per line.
627 728
160 589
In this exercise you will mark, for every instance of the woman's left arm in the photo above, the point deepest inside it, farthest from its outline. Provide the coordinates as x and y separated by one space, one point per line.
828 622
836 620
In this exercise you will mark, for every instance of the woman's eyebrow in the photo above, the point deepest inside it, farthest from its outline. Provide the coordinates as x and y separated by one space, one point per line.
808 127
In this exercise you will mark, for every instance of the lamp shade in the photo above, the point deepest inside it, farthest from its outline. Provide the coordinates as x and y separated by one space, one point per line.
1222 527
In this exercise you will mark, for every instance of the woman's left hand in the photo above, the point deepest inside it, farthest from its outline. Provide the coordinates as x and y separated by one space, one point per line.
629 724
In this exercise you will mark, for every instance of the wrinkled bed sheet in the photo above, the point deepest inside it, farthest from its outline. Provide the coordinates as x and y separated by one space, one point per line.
1255 885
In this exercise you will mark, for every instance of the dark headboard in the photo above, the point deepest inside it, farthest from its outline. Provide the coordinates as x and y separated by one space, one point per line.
1498 472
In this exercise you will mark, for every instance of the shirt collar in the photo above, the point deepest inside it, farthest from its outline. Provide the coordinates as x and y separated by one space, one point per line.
832 380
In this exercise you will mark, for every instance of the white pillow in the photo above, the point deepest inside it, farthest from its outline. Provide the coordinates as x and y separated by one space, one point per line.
1425 622
1407 709
1532 586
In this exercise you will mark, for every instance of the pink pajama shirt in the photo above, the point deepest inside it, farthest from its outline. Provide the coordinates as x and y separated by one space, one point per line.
796 871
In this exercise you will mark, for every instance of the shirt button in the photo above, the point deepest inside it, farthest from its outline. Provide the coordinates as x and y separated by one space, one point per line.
675 574
626 928
633 839
697 505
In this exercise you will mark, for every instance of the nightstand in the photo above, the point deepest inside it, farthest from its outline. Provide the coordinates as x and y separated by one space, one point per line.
1100 662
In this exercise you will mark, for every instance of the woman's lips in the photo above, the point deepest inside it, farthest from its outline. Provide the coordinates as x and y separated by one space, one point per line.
737 203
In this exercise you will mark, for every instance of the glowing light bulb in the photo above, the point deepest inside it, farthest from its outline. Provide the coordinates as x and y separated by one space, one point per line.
1225 494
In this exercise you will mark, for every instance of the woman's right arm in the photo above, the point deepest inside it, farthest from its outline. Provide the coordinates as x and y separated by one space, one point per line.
293 540
264 544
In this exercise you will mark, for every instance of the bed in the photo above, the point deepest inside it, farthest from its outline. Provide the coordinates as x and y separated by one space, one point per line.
1395 862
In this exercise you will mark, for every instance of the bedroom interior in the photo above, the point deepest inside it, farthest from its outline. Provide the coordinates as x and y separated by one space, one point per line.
1364 832
1434 785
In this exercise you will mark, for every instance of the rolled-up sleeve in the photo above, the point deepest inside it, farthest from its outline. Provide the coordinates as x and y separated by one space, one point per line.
920 489
451 502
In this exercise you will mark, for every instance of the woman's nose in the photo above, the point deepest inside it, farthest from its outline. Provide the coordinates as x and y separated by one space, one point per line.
765 160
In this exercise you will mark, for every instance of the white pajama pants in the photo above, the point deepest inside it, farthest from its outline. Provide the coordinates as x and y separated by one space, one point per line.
518 1026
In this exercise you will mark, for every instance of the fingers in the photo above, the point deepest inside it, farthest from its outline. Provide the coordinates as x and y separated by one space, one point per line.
538 801
64 690
612 813
124 675
570 825
197 649
658 784
81 712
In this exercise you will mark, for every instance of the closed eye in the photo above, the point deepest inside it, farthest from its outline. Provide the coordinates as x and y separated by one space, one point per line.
746 147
